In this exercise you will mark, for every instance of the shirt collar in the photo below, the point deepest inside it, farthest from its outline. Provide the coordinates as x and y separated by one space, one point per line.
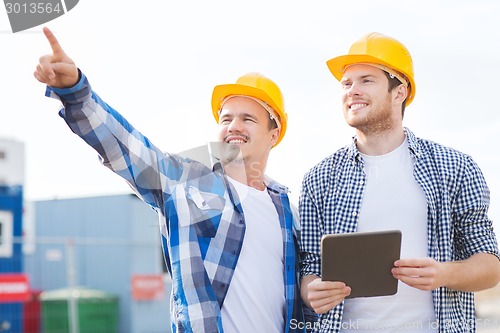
413 146
413 143
275 186
269 182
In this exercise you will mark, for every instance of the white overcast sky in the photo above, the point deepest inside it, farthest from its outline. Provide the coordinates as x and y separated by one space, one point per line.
157 62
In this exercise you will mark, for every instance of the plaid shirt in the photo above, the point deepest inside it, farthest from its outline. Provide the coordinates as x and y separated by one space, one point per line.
458 225
201 218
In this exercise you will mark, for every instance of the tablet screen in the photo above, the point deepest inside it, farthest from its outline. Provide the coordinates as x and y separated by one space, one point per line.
362 260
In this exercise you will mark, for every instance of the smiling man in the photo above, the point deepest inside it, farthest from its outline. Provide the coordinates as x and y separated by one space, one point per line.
229 232
390 179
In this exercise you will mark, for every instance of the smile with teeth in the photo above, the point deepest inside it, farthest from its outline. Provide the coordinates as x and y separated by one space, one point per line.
236 140
357 106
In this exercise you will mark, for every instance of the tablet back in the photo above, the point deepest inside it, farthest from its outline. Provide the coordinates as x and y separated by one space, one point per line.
363 260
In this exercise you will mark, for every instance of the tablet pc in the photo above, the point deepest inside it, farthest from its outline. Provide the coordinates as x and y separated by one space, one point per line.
362 260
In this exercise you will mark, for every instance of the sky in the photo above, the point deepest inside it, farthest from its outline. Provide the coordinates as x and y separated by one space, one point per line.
157 61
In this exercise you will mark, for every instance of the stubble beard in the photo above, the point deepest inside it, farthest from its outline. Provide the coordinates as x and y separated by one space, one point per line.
376 121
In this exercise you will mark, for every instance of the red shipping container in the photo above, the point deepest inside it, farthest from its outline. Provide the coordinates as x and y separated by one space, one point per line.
32 312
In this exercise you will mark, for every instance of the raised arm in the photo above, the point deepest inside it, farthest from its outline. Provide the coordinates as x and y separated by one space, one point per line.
56 69
121 147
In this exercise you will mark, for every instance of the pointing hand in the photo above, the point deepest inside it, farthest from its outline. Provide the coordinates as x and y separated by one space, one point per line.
56 69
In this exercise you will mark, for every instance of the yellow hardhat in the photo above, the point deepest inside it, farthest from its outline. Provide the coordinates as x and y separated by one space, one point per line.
257 86
378 49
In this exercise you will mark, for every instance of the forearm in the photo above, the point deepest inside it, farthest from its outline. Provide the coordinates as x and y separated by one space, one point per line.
120 146
480 271
89 117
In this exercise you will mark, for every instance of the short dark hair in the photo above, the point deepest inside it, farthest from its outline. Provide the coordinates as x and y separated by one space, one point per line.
272 123
393 83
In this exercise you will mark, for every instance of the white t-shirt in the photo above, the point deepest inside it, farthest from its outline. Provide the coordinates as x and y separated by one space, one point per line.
392 199
255 300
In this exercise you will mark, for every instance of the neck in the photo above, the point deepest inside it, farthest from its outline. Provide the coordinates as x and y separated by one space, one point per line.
379 143
248 173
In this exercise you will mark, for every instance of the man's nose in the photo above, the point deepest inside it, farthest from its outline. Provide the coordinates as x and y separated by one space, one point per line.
235 125
353 90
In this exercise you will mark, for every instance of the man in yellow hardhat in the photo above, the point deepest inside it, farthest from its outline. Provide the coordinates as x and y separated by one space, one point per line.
390 179
229 232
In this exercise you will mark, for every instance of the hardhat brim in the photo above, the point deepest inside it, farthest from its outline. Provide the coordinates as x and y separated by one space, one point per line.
224 90
338 65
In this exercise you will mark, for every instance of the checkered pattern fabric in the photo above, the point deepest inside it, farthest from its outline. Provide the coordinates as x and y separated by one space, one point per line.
201 219
458 225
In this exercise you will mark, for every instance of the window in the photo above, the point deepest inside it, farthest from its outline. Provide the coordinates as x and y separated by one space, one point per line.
6 233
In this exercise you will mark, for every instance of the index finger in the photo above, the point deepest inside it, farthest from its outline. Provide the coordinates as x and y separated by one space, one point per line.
327 285
54 43
416 262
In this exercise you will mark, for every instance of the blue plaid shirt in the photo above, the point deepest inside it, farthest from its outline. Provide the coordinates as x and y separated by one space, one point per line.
201 218
458 226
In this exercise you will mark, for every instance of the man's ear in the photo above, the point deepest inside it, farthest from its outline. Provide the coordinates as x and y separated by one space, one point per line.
401 93
275 135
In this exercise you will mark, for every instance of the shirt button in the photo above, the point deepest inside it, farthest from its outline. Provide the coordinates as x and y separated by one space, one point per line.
354 213
336 316
361 182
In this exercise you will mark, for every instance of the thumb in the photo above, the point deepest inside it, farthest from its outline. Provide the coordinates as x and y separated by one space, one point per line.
67 74
64 68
